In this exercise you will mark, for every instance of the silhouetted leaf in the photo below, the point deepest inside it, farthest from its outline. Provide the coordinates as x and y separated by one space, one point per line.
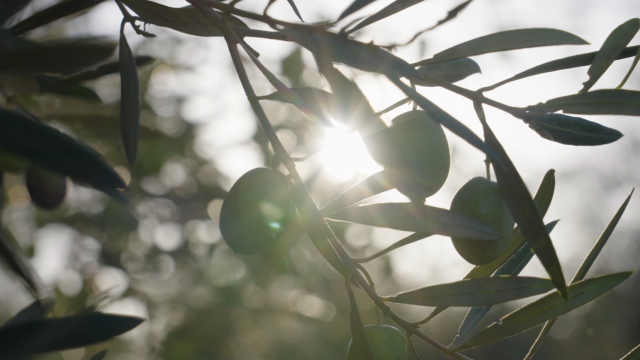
341 49
8 8
355 6
56 151
633 66
15 261
52 13
418 218
391 9
188 20
598 102
561 64
55 334
57 85
35 311
546 308
360 344
572 130
100 355
402 242
106 69
61 57
506 40
370 186
615 43
524 211
129 101
633 354
323 101
295 9
474 292
449 71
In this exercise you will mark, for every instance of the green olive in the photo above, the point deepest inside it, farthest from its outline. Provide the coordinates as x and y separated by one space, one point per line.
481 199
46 188
387 343
415 151
256 211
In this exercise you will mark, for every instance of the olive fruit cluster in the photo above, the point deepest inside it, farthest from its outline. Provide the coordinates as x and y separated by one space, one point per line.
415 152
256 211
46 188
481 199
387 343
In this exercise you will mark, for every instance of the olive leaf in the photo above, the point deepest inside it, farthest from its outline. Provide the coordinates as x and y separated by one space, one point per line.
100 355
61 57
400 243
295 9
53 334
360 344
37 310
50 148
523 209
129 101
546 308
322 100
52 13
584 267
504 41
571 130
391 9
633 354
449 71
615 43
355 6
188 20
598 102
10 8
474 292
561 64
14 259
370 186
341 49
417 218
57 85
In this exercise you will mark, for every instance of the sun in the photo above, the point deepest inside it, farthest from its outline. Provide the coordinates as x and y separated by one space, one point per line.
346 156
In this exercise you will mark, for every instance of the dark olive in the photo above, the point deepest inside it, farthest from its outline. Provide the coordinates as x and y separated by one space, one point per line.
481 199
46 188
256 211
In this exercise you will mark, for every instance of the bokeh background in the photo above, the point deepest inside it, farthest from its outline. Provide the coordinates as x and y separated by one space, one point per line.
162 257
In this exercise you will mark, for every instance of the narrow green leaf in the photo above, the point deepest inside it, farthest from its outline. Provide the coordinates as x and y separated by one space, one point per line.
10 8
129 101
417 218
56 334
61 57
53 13
337 48
599 102
633 66
523 209
504 41
295 9
100 355
615 43
400 243
450 71
370 186
474 292
35 311
391 9
57 85
355 6
188 20
48 147
571 130
633 354
106 69
360 344
16 262
323 101
546 308
561 64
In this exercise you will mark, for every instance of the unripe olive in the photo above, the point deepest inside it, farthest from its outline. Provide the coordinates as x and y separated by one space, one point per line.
481 199
256 211
387 343
415 151
46 188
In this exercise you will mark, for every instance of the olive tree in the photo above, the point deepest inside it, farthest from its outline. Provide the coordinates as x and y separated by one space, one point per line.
495 225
